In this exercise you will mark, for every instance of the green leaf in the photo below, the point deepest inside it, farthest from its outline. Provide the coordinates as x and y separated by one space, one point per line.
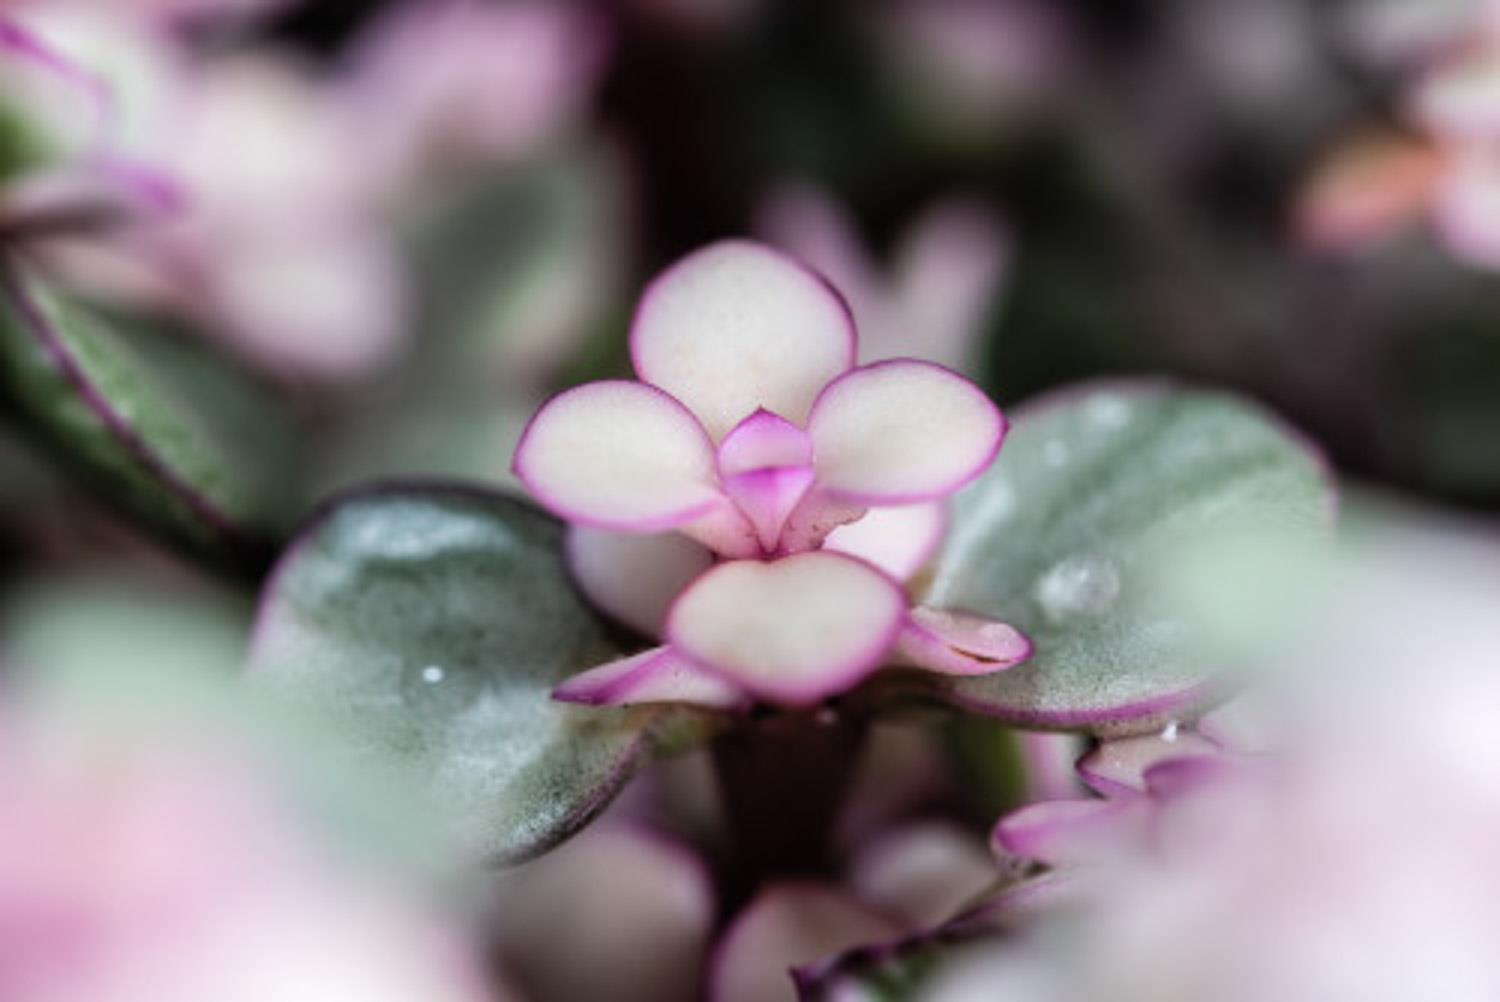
161 429
1096 492
431 623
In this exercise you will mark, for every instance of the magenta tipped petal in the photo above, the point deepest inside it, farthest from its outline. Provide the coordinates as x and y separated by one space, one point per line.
737 326
794 630
958 643
634 577
659 675
768 496
618 455
898 540
902 431
763 440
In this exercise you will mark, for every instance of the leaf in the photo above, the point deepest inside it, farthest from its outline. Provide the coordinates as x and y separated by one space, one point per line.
431 623
163 430
1096 490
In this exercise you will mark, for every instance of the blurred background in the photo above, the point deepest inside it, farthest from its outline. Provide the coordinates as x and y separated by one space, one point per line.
405 223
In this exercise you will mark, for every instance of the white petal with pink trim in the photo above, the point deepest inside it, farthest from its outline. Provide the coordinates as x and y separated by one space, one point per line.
898 540
736 327
902 431
619 455
660 675
960 643
793 630
634 577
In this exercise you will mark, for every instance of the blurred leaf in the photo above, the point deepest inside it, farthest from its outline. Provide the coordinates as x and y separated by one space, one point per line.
164 431
20 150
1067 535
432 624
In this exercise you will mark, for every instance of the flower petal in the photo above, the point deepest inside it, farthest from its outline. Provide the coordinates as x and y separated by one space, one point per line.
1460 99
787 925
1466 209
898 540
659 675
634 577
793 630
1061 832
738 326
618 455
1119 767
958 643
35 75
767 497
762 440
902 431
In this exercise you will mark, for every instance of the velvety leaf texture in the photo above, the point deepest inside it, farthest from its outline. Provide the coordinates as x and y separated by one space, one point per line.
1096 489
164 431
431 623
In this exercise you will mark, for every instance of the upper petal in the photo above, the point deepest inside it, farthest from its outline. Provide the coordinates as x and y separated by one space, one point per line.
618 455
73 106
738 326
762 440
793 630
898 540
634 577
902 431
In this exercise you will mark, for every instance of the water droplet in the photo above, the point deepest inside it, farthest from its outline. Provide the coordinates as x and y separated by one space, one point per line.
1055 454
1169 732
1108 411
1084 585
436 687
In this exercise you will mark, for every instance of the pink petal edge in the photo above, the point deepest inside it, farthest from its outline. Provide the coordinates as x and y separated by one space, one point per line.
960 643
658 675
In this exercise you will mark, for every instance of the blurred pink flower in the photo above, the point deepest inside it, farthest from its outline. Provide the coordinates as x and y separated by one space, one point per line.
1448 174
165 869
279 244
754 436
934 299
451 83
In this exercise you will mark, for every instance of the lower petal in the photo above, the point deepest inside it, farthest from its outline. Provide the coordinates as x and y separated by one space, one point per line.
659 675
794 630
959 643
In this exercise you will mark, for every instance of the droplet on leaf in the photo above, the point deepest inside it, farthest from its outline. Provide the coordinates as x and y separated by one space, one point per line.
1084 585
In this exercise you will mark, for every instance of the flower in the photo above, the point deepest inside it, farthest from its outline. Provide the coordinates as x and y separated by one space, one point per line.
513 80
1448 172
753 439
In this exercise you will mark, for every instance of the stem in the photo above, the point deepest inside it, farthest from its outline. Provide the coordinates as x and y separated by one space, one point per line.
783 781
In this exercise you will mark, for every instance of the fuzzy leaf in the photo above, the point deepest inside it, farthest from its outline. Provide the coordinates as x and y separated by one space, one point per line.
163 430
1096 490
431 623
